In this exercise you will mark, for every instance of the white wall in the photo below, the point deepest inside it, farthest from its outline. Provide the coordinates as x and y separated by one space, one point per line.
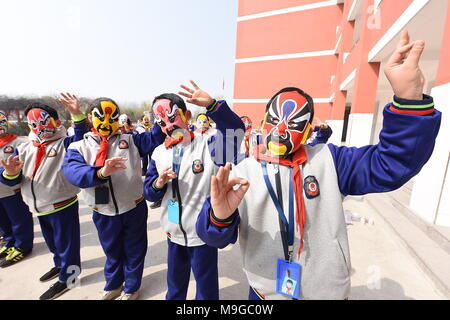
359 129
336 126
428 185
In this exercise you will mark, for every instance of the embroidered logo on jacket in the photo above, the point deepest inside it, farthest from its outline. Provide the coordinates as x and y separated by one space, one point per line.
52 153
123 144
8 149
311 187
197 166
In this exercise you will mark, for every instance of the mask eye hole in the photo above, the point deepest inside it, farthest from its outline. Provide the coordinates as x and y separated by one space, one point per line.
172 118
97 114
273 120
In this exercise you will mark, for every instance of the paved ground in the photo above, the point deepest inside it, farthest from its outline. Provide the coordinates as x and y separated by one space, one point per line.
381 267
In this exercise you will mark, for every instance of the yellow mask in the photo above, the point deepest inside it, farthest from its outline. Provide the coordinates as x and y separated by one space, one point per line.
105 117
146 122
203 122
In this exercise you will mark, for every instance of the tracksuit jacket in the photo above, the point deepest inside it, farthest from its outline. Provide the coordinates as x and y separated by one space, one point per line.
406 143
125 186
8 150
15 219
200 161
48 191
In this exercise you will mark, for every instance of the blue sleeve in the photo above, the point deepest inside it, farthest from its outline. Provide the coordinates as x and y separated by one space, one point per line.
150 193
212 235
406 143
78 172
80 128
322 136
146 142
225 144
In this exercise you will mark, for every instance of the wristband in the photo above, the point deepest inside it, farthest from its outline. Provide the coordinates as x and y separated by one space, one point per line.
211 106
10 177
154 185
77 118
221 222
100 175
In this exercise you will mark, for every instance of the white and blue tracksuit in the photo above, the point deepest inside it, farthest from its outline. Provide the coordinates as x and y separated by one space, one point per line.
16 221
52 198
121 220
200 160
406 143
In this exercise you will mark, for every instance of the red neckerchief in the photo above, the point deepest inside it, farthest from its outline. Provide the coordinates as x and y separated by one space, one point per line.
7 139
40 155
247 144
170 142
100 158
298 159
202 130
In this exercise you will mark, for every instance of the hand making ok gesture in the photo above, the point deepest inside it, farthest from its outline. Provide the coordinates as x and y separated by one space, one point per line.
224 198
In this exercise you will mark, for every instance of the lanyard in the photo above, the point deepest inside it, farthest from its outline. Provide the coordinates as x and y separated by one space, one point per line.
288 226
178 153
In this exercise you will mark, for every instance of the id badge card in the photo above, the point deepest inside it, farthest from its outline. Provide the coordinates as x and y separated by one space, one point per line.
288 278
173 211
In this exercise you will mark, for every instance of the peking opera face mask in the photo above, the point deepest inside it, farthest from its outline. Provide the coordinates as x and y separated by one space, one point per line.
146 121
41 123
170 118
4 125
203 123
247 124
105 117
287 121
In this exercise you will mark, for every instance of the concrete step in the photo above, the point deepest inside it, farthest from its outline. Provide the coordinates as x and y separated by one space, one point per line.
440 235
425 243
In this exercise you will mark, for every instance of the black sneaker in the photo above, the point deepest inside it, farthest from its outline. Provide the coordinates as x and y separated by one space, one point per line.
13 257
55 291
52 274
5 251
156 204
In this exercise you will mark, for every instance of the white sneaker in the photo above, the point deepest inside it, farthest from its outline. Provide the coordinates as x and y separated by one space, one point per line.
111 295
129 296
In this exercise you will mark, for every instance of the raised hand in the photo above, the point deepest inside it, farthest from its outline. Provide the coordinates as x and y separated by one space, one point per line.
12 165
112 166
196 96
402 69
166 175
71 103
224 199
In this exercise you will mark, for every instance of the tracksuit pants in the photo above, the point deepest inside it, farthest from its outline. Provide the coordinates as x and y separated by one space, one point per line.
61 231
252 295
203 261
16 221
124 241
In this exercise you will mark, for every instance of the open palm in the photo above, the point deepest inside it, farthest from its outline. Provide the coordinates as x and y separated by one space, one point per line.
196 96
71 103
224 199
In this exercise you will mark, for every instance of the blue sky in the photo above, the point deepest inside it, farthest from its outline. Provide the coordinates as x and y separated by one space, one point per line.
127 50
